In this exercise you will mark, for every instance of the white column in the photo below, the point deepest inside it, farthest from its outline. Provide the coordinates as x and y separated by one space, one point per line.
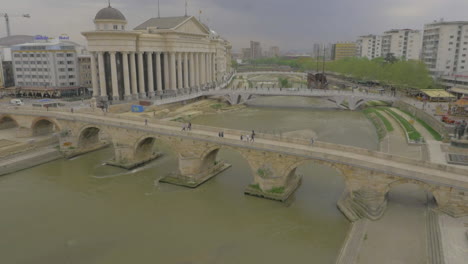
167 83
115 83
213 63
173 71
179 71
141 75
158 72
94 77
208 73
192 71
134 75
186 78
150 74
202 69
102 75
196 69
128 93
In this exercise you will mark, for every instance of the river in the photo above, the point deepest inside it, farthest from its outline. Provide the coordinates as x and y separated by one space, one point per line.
79 211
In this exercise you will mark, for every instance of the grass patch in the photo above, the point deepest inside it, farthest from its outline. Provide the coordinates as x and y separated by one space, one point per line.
413 134
179 119
216 106
387 123
431 130
277 190
255 186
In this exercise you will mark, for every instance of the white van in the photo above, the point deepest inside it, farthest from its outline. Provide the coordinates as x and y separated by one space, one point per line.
16 102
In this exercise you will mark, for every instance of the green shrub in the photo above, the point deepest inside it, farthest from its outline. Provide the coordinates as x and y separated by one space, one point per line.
413 134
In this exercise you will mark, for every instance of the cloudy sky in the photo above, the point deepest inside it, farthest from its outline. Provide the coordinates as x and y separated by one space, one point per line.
289 24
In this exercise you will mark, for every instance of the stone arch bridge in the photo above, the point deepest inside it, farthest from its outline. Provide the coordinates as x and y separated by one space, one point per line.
343 99
368 175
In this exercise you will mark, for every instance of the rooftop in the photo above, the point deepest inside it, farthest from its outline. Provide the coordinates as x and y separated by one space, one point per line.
163 22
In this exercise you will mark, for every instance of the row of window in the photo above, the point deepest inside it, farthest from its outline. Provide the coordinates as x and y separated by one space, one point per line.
32 69
65 69
33 83
63 62
33 76
44 84
61 77
42 55
31 62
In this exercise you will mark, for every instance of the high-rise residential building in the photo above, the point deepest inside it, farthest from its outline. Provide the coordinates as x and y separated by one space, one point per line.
445 48
246 53
255 50
85 73
402 43
369 46
317 50
274 51
45 63
343 50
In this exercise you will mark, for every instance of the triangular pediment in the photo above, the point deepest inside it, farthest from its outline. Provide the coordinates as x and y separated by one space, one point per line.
192 26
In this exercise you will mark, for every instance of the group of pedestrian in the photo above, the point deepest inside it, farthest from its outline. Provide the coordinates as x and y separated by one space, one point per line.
221 134
187 127
460 130
248 138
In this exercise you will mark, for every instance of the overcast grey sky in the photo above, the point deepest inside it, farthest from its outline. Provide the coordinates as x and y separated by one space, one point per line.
289 24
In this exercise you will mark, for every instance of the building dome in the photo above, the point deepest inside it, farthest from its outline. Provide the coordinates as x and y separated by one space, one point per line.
109 13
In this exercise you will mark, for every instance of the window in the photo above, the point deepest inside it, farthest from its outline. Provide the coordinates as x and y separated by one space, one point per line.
33 69
72 83
70 69
19 69
17 55
69 55
39 62
61 69
123 27
44 55
116 27
450 43
61 62
59 54
61 77
17 62
25 55
31 55
69 62
71 76
19 76
451 36
25 62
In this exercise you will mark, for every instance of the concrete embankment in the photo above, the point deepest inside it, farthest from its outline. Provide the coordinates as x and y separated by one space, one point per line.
28 160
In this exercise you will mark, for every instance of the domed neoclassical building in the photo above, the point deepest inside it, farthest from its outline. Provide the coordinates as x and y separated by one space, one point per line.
160 56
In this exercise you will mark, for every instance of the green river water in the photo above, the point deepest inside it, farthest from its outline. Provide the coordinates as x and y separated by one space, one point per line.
79 211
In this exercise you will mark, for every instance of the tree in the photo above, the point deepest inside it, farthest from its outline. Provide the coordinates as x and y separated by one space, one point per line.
390 58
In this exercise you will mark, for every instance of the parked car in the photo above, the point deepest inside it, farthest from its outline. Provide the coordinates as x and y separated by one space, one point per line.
16 102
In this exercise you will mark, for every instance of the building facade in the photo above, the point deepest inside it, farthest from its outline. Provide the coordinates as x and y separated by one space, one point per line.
369 46
255 50
402 43
85 74
160 56
445 48
343 50
45 64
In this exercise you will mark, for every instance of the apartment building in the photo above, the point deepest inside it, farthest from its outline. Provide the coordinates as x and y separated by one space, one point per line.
45 64
445 47
402 43
369 46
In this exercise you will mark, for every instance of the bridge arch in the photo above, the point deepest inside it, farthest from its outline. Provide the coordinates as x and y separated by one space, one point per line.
42 126
144 147
89 136
426 187
7 122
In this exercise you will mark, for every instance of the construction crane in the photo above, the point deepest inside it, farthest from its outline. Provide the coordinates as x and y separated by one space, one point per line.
7 20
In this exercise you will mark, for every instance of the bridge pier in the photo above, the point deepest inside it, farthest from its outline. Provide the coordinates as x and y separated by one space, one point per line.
274 175
197 163
130 154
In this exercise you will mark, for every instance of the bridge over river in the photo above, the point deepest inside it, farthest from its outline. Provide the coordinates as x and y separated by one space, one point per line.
369 175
